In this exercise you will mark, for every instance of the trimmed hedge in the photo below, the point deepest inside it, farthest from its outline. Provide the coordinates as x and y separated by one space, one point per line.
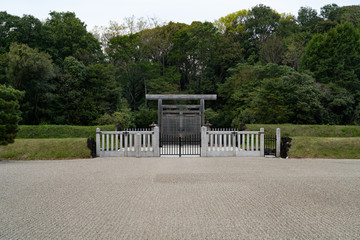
292 130
60 131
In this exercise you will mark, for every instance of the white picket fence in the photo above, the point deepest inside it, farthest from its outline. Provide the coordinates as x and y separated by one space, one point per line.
127 143
214 143
232 143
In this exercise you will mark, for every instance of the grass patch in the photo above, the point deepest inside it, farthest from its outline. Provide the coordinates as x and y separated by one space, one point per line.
31 149
308 130
318 147
60 131
67 131
69 142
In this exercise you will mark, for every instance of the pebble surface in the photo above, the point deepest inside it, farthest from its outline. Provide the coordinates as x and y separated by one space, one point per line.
180 198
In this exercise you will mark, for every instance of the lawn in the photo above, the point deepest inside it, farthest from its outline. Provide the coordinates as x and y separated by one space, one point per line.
69 142
325 147
50 148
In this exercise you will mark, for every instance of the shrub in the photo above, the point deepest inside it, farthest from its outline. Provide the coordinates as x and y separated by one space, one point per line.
9 114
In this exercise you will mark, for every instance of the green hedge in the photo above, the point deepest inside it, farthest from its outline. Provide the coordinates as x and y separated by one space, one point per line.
308 130
60 131
66 131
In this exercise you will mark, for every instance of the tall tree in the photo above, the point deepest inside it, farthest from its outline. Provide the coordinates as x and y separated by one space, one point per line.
272 50
31 71
308 19
262 22
157 42
8 23
70 92
294 48
68 37
335 57
195 54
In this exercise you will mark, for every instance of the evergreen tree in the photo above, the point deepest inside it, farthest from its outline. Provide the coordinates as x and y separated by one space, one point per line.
9 114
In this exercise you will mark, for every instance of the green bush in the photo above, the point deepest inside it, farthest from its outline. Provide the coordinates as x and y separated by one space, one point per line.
9 114
145 116
125 118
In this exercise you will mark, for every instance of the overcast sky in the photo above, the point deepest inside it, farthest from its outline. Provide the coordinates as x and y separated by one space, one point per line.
100 12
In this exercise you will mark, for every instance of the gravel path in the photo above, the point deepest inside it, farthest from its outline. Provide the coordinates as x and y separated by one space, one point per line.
180 198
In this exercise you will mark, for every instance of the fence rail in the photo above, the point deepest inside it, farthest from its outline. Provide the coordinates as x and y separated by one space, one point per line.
213 143
232 143
133 143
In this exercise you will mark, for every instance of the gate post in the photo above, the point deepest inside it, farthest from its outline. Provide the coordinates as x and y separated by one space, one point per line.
155 142
137 144
262 142
126 139
98 142
204 141
278 139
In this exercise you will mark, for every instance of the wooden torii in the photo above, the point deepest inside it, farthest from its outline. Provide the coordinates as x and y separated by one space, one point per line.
181 109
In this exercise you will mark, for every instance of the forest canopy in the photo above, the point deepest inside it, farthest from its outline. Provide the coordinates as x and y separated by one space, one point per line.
265 67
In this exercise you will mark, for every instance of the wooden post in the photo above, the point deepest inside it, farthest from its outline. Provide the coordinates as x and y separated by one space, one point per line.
202 111
98 142
160 112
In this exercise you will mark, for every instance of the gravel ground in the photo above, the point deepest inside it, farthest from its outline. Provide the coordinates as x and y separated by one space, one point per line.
180 198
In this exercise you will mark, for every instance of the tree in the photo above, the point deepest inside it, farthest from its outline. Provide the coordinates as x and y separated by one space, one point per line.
239 90
335 57
329 11
339 104
233 23
126 53
102 88
157 42
67 36
9 114
8 23
291 98
308 19
32 71
195 54
70 93
287 26
269 94
262 22
294 48
349 14
272 50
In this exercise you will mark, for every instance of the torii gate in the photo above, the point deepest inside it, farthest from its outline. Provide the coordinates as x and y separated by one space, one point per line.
175 120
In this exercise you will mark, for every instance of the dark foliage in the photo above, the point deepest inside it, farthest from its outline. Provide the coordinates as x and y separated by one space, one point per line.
265 67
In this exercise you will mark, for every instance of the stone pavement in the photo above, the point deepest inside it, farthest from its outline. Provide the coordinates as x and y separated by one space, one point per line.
180 198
